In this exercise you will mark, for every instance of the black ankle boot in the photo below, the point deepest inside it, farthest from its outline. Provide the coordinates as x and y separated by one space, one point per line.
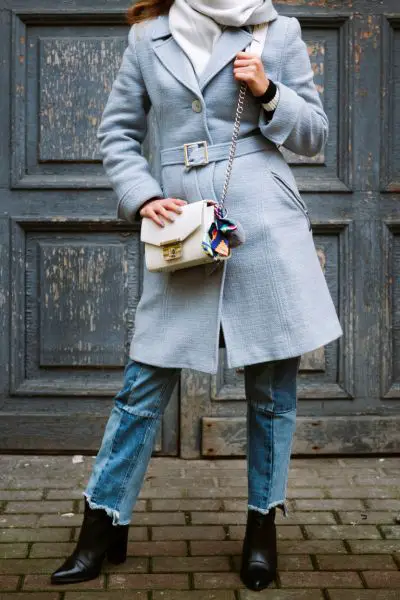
98 538
259 557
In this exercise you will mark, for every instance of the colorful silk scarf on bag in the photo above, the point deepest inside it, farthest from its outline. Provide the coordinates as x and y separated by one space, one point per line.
220 237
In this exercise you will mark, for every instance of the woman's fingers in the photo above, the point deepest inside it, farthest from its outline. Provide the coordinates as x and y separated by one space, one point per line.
154 217
174 207
164 213
157 210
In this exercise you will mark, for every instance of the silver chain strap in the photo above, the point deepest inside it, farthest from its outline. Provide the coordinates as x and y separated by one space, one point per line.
232 150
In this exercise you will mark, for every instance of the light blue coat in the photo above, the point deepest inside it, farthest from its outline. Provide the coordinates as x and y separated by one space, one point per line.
271 295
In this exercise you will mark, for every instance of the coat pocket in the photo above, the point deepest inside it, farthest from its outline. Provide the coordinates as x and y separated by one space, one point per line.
293 194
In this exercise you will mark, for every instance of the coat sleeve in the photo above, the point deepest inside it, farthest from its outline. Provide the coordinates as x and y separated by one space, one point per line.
121 132
299 122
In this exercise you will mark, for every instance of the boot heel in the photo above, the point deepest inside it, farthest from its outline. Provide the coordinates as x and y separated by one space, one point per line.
117 550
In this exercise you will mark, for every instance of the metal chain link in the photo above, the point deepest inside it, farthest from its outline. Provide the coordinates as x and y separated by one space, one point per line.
232 150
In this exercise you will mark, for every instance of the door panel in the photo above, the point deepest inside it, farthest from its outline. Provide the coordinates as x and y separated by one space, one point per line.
70 273
349 390
75 273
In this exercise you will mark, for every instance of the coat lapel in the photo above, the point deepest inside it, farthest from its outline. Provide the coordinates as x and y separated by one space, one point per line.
174 59
172 56
231 41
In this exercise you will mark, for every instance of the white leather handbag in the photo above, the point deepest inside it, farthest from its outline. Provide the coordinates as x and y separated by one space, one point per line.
179 244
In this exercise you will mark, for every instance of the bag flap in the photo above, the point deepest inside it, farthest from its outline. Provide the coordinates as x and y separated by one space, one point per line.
184 225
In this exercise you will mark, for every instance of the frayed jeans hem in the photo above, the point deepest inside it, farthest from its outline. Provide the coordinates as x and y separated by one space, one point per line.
279 504
112 512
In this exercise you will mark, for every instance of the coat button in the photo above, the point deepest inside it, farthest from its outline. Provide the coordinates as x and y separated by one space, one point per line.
196 106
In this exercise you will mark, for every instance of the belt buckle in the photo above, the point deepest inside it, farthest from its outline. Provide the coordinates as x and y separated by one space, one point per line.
196 153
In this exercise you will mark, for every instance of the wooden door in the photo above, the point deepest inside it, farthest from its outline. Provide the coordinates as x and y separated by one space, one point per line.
70 272
349 391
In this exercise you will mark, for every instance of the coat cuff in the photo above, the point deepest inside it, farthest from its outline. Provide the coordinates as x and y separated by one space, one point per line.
133 199
286 114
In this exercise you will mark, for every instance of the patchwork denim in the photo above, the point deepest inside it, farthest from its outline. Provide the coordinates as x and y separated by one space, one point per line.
271 393
128 441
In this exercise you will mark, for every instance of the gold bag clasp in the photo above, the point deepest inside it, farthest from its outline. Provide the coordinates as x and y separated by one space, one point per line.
172 251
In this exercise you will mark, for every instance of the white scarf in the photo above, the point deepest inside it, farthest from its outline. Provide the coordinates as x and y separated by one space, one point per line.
196 24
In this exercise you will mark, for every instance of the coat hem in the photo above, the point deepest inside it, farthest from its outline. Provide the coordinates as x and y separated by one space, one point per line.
232 364
297 351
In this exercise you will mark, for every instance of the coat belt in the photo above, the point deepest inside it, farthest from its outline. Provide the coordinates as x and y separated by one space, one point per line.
206 153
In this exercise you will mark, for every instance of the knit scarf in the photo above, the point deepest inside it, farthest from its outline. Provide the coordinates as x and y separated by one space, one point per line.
196 25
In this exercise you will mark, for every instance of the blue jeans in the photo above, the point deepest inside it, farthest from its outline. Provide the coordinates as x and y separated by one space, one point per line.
129 436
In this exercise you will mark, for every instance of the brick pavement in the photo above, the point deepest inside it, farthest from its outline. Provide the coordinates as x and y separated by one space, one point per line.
341 540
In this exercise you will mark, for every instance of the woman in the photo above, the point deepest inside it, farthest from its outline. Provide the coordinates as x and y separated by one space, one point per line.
268 304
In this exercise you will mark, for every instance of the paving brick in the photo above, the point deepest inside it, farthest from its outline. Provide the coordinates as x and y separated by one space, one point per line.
194 595
183 492
42 582
378 480
191 483
358 532
383 504
235 505
188 532
30 596
159 518
133 565
218 518
328 504
362 492
190 505
382 579
151 581
367 516
232 481
271 594
210 548
218 581
284 532
18 520
391 532
44 506
319 481
8 582
190 563
21 566
51 550
374 546
35 535
311 547
68 519
354 562
310 492
13 550
362 462
137 534
338 471
20 495
174 548
305 518
29 483
320 579
103 595
71 494
363 594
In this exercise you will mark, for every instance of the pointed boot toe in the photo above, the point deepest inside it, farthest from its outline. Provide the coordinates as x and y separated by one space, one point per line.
259 557
74 570
257 576
98 538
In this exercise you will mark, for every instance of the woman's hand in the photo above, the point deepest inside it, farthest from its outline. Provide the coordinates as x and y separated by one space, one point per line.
155 209
248 67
